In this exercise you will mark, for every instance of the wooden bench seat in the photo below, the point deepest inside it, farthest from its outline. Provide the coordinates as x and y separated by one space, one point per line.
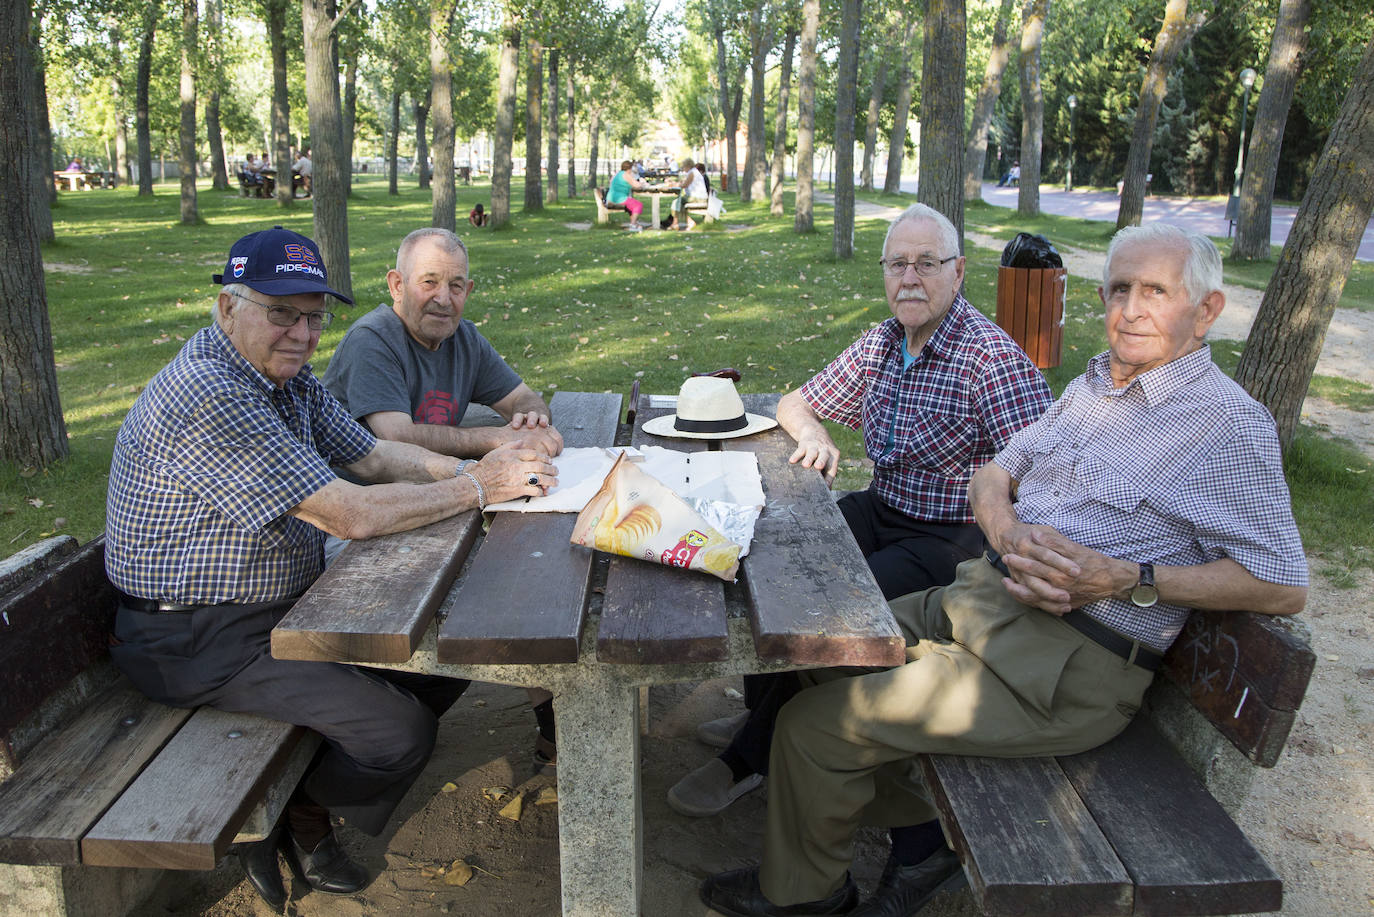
603 209
1131 827
95 774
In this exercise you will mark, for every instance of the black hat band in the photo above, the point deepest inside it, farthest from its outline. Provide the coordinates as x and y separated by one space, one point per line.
711 426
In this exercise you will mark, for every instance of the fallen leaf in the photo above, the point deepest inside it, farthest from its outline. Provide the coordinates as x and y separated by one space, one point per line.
448 787
35 502
495 793
548 796
459 873
514 808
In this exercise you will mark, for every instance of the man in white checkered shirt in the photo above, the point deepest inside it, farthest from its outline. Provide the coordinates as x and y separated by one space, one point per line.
221 492
1153 486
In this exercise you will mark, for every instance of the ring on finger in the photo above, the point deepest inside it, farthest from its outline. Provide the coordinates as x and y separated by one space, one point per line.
534 479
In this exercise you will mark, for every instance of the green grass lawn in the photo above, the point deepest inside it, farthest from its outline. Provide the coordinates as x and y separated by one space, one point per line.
570 307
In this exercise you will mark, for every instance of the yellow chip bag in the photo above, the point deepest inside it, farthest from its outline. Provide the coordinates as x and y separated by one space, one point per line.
636 515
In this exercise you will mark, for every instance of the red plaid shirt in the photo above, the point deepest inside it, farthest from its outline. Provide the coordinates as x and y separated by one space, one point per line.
970 388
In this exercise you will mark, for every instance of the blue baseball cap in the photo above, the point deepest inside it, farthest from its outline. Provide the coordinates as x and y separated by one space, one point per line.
278 262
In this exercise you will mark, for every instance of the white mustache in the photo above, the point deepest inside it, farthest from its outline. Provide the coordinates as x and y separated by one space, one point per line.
907 294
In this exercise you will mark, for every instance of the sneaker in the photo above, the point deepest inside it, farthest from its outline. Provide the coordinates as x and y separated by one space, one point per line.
904 890
718 733
710 789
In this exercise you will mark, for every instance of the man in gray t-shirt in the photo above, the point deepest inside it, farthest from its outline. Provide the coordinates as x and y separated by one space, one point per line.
409 371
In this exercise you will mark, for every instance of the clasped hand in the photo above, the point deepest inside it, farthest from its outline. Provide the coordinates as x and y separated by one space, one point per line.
515 470
534 430
1056 574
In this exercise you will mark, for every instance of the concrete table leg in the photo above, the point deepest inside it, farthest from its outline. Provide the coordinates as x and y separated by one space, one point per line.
600 819
655 197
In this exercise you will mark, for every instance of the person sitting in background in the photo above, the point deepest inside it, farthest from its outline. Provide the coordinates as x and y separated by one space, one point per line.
701 167
621 191
302 171
478 217
692 188
249 174
74 165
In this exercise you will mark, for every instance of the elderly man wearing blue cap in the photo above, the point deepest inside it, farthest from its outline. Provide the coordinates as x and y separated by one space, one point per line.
221 494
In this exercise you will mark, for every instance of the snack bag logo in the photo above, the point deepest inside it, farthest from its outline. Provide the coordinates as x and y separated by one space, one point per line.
297 252
681 554
237 266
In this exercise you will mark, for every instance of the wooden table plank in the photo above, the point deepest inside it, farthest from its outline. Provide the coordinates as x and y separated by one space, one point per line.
1002 815
805 566
1157 816
184 810
654 613
374 603
68 781
524 598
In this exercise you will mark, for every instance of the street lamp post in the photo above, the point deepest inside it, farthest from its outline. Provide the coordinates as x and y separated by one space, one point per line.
1247 79
1068 173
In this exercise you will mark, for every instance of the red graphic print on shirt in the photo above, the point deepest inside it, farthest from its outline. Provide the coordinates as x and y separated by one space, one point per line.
438 408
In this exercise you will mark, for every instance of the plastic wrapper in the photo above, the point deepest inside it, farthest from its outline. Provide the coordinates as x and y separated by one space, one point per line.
636 515
1032 251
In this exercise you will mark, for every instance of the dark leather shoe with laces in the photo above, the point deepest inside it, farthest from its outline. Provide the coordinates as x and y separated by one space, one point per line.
259 861
327 868
737 894
904 890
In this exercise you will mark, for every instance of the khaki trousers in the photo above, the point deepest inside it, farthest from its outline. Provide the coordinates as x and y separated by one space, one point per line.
985 675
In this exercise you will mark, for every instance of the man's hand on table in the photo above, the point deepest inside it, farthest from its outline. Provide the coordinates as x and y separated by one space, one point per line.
818 452
536 431
515 470
1056 574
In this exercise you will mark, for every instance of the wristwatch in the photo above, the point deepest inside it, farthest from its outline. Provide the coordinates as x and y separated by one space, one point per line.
1144 594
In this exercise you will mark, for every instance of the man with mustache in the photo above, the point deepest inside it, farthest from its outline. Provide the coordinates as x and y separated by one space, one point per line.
937 389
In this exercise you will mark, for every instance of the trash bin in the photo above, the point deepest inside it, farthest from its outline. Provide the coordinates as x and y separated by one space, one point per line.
1031 288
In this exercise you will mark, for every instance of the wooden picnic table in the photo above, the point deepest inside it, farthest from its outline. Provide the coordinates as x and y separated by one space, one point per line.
656 192
532 609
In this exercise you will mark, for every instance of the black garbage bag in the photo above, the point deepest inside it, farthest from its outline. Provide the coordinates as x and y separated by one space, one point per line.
1027 250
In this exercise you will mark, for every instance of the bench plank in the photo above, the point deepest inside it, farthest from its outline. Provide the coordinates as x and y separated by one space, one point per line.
55 626
69 780
784 589
658 614
184 810
1027 843
352 613
526 564
1182 850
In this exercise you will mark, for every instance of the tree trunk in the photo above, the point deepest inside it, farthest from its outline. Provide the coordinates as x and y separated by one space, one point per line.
326 142
594 138
789 45
281 101
1286 338
572 133
846 94
186 152
806 117
534 122
875 107
1032 105
976 149
1254 219
444 204
214 34
32 433
554 91
141 80
349 115
1173 35
504 138
728 180
422 140
118 100
753 158
942 111
896 147
393 143
43 194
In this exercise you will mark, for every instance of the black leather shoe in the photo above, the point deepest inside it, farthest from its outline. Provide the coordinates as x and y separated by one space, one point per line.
737 894
327 868
904 890
259 861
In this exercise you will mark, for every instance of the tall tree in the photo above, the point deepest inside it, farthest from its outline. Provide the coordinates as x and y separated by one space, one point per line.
572 131
846 92
976 147
32 433
326 139
274 14
896 147
720 22
594 142
875 107
118 101
1032 105
1255 217
445 195
552 193
760 43
42 195
534 119
789 45
186 149
806 118
213 76
143 76
349 113
422 139
503 138
942 111
393 142
1173 35
1286 339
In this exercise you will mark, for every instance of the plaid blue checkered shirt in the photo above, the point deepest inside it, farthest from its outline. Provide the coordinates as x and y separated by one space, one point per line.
970 388
1178 468
205 467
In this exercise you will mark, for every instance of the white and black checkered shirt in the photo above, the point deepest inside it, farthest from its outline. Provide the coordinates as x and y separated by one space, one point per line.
205 467
1178 468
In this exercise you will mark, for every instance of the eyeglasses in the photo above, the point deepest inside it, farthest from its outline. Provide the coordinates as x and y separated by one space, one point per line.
287 316
925 267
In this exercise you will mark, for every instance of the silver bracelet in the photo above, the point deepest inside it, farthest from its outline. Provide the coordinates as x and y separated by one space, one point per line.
463 465
481 494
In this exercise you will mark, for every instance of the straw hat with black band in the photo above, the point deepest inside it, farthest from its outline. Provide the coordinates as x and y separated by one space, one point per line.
708 408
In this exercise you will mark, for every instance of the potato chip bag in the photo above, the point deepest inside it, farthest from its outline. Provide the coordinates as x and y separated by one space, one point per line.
636 515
